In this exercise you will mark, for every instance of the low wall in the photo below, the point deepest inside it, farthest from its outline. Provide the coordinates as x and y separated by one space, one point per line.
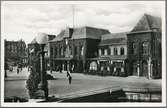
120 95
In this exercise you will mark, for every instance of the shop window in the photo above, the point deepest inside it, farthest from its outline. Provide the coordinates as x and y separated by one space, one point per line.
93 66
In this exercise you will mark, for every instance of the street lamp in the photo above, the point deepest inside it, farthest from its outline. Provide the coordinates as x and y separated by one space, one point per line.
42 40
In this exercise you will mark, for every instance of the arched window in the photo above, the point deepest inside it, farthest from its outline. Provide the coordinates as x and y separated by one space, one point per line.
109 51
134 48
99 52
62 51
122 51
115 51
105 51
145 48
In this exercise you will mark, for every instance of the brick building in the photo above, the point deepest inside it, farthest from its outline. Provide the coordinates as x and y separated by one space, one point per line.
73 46
15 52
144 47
97 51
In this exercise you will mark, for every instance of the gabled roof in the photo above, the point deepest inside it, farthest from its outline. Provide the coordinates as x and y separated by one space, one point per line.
113 38
59 37
66 33
88 32
147 22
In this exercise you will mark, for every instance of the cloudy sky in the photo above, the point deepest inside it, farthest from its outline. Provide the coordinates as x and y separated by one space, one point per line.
26 19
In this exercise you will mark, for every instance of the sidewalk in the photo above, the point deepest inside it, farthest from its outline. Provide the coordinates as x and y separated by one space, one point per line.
23 75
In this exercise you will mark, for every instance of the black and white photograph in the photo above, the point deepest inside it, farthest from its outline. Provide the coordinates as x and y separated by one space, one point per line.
83 53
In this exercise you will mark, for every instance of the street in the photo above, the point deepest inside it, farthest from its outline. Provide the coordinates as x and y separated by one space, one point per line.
15 83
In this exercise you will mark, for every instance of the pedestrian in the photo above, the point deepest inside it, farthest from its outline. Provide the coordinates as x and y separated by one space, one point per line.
60 68
17 70
69 77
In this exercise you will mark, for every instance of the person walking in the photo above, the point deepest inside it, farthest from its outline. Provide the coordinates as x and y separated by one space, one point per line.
18 69
69 77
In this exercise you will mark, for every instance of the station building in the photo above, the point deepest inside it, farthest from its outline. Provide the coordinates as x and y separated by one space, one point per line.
91 50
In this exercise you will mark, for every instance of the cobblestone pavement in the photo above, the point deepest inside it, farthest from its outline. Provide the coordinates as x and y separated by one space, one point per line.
15 83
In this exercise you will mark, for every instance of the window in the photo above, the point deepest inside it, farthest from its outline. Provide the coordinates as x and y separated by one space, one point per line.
105 52
122 51
102 51
75 50
82 50
99 52
62 51
109 51
134 48
115 51
93 66
55 52
145 47
51 51
70 50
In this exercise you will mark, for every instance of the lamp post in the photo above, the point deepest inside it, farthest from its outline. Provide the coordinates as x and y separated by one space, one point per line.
42 40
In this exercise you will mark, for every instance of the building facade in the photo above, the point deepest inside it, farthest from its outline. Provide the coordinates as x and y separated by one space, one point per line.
15 52
144 48
92 50
112 56
73 46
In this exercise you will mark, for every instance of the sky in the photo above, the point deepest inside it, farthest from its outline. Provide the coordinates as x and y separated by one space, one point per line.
25 19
